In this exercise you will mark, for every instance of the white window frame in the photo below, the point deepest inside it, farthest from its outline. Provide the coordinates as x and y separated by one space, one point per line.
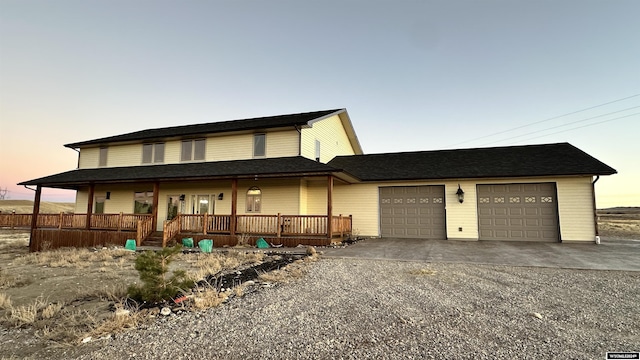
192 150
103 156
264 145
254 200
157 155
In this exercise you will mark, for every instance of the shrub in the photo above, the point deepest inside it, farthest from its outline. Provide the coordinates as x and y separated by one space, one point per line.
157 285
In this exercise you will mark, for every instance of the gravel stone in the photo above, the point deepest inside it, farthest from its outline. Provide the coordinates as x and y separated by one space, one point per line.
354 309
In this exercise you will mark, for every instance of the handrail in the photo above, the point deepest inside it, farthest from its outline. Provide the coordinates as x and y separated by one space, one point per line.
144 229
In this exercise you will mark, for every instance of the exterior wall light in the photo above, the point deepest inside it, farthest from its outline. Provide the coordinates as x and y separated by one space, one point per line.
220 196
460 194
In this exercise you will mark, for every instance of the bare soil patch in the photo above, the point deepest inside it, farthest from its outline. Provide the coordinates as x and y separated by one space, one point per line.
57 298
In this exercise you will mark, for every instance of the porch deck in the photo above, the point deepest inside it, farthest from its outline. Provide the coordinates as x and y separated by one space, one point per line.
64 230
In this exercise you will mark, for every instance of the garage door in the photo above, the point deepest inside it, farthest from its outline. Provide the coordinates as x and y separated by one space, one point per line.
518 212
412 212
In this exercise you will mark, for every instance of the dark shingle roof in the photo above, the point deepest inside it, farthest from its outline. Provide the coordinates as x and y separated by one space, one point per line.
511 161
192 171
211 128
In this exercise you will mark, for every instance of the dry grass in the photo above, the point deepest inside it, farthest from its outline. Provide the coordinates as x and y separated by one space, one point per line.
78 258
202 265
207 297
243 241
423 272
26 314
5 301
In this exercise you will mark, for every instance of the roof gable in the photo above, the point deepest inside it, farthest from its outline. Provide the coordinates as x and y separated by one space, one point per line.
268 122
512 161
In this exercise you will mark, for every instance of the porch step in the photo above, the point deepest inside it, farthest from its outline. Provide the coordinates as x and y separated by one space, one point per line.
155 239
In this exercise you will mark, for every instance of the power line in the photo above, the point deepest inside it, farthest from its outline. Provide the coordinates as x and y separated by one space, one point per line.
583 126
559 126
545 120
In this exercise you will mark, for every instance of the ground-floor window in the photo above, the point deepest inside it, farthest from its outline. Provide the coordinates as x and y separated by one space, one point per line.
173 206
254 200
143 202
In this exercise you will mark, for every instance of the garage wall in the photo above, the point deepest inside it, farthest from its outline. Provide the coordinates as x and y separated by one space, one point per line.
575 209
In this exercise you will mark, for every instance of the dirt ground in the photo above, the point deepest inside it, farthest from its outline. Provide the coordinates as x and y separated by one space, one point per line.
57 298
26 207
619 223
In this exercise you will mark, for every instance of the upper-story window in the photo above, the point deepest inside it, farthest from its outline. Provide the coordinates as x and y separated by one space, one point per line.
152 153
318 150
102 158
259 145
193 150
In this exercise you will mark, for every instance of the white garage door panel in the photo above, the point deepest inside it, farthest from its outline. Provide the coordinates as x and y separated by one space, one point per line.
412 212
518 212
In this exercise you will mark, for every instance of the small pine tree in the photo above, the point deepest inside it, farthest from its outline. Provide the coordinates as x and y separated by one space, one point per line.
157 285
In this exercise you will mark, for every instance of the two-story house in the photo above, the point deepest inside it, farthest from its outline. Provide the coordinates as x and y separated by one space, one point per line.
303 178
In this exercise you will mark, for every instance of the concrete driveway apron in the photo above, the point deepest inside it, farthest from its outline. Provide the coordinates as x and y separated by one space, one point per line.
609 255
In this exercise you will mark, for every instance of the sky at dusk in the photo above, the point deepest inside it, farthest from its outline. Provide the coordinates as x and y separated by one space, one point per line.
413 75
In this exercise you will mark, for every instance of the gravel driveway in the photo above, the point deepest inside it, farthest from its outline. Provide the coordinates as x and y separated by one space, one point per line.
353 309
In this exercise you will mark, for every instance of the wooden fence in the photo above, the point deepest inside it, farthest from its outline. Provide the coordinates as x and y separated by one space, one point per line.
44 239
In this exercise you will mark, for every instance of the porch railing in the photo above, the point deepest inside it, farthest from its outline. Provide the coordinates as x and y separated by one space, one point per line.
278 225
75 221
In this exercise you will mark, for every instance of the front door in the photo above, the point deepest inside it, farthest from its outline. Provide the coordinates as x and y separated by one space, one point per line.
202 204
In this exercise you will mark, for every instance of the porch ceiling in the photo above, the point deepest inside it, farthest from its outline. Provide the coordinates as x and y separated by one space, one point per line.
272 167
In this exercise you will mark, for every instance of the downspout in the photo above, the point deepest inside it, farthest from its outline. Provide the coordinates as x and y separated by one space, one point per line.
595 211
299 139
78 151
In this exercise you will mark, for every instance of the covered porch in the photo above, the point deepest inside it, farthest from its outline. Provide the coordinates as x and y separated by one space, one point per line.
287 215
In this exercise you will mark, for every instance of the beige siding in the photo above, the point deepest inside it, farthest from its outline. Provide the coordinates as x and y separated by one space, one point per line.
575 209
463 215
234 147
303 198
332 136
124 155
317 197
89 158
172 152
283 143
81 201
278 196
360 201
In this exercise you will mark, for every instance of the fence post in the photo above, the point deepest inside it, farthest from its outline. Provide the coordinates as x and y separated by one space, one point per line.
60 221
13 218
139 233
279 230
204 223
120 221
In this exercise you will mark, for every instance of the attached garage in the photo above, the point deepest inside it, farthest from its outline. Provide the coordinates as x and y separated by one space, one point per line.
413 212
527 212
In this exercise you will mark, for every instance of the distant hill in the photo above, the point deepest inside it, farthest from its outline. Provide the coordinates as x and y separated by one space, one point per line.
620 210
26 207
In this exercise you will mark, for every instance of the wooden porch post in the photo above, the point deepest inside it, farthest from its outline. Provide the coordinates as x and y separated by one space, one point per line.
234 206
330 207
92 188
154 209
34 216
